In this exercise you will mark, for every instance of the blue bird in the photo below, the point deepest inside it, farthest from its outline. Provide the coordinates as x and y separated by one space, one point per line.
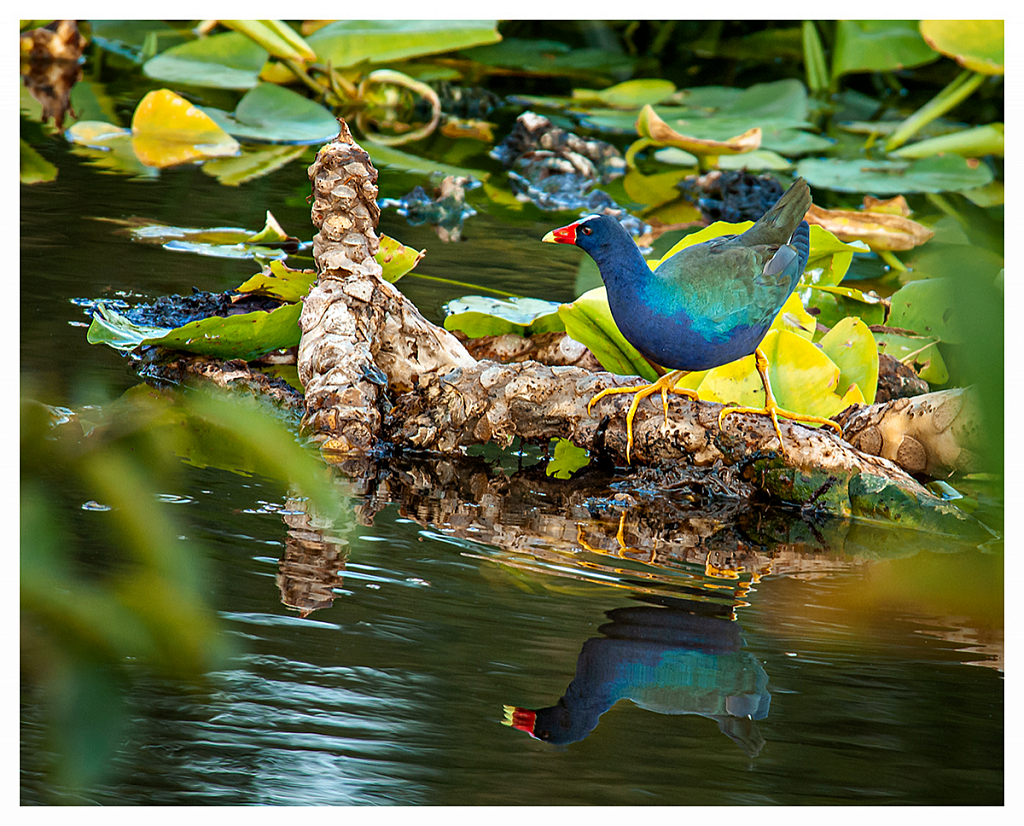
708 305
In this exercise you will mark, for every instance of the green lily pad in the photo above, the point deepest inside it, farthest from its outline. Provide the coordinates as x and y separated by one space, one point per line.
829 258
245 336
224 61
970 143
831 304
928 307
478 315
974 44
567 459
279 281
630 94
388 156
549 57
350 42
273 114
878 46
852 348
396 259
589 321
946 173
920 352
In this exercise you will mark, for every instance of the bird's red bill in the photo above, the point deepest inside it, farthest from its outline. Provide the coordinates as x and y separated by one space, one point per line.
563 235
524 719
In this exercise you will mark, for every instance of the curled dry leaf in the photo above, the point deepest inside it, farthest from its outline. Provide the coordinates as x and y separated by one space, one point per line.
890 206
879 230
652 127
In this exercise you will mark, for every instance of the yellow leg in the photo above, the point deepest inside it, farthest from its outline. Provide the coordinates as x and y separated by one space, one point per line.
664 385
771 407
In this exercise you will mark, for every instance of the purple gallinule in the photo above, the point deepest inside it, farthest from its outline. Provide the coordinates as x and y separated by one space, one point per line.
709 304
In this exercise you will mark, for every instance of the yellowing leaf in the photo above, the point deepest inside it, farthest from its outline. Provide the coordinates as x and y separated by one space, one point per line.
652 127
167 130
879 230
852 348
794 318
974 44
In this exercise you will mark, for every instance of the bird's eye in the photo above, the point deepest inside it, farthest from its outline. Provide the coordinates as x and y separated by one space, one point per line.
586 230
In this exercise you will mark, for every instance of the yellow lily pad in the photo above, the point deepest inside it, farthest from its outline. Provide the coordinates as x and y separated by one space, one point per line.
794 318
974 44
852 348
167 130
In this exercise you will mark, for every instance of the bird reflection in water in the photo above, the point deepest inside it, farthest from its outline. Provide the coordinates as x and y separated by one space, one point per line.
673 658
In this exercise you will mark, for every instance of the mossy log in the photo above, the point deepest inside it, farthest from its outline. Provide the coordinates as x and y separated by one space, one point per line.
376 372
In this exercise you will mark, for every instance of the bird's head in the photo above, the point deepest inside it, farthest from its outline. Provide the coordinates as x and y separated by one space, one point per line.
592 234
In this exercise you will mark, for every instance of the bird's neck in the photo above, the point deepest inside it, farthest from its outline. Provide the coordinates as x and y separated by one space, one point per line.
622 267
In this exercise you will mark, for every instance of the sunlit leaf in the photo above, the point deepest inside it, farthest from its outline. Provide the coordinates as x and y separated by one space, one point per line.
829 258
225 61
630 94
350 42
852 348
110 327
245 336
879 230
217 242
589 321
831 304
652 190
974 44
478 315
396 259
274 114
970 143
793 318
167 130
277 37
277 280
878 46
650 126
946 173
567 460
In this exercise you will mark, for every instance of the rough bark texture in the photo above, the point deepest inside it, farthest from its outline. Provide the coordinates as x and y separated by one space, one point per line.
366 347
359 333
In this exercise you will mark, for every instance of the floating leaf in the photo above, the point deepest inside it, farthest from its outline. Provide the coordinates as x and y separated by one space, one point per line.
549 57
388 156
589 321
852 348
652 190
651 127
760 160
878 46
224 61
794 318
167 130
110 327
108 147
273 114
567 460
970 143
829 258
974 44
803 378
278 280
928 308
347 43
477 315
630 94
245 336
218 242
396 259
879 230
946 173
832 304
913 350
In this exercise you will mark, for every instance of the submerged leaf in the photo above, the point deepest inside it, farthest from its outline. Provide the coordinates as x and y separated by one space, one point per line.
567 459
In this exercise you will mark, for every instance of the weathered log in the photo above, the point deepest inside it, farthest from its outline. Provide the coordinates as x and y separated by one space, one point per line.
376 371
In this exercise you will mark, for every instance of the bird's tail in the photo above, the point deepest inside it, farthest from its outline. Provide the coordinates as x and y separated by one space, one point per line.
778 223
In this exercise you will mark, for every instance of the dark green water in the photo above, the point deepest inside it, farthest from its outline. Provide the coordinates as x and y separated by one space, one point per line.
871 678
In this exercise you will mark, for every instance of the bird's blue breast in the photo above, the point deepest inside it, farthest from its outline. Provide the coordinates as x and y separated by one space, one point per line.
679 341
